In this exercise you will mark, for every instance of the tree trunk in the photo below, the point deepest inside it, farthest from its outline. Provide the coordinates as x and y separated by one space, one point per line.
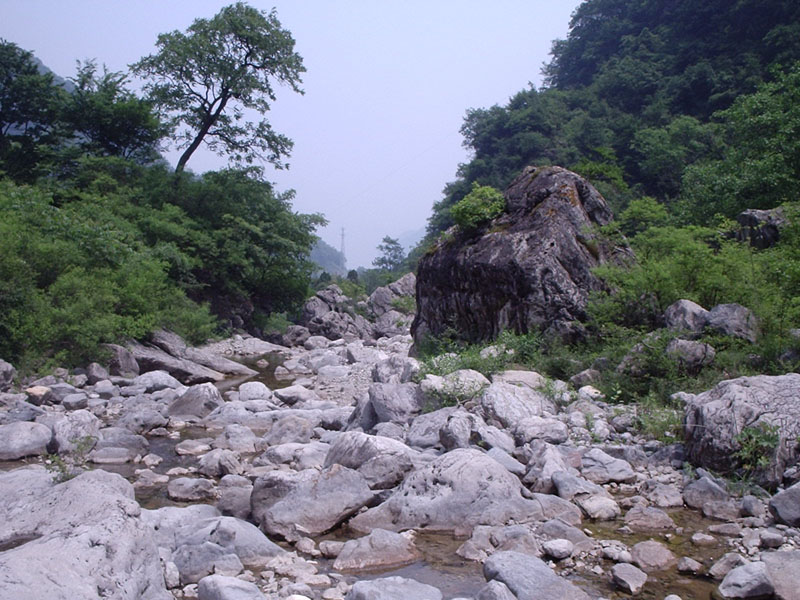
209 122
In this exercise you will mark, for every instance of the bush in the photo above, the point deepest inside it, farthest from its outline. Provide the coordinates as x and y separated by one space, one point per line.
480 206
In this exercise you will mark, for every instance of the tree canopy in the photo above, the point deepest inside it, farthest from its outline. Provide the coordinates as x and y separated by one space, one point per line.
206 79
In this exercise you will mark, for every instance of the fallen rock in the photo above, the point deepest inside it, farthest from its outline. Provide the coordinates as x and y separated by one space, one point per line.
785 506
220 587
197 401
747 581
652 556
599 467
734 320
382 461
21 439
150 358
783 571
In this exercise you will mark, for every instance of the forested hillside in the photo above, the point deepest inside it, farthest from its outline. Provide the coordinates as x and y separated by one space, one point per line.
100 240
645 97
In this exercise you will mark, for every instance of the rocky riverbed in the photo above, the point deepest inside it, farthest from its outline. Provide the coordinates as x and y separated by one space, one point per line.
331 470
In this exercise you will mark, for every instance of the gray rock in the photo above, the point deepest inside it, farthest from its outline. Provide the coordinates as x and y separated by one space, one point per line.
220 462
83 538
235 536
725 564
568 486
747 581
7 375
234 496
198 401
188 489
715 418
254 390
21 439
599 467
186 371
395 402
529 578
508 461
558 548
76 401
652 556
701 491
551 431
495 590
691 356
456 492
156 380
308 503
662 495
220 587
761 227
195 561
392 588
395 369
238 438
783 570
785 506
648 518
598 507
534 269
380 301
685 315
734 320
290 429
78 430
295 394
424 429
628 578
505 405
122 362
382 461
96 372
380 549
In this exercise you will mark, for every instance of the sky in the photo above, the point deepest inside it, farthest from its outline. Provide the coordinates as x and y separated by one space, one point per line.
388 83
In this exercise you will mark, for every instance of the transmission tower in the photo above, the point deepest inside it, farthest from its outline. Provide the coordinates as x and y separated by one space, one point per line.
341 248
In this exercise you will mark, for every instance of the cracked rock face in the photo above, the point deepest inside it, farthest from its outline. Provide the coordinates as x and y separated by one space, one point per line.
715 418
527 270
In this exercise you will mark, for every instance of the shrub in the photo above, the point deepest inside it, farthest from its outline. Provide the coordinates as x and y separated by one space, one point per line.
480 206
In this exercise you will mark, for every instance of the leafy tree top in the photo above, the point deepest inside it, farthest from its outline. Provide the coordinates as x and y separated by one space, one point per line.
205 80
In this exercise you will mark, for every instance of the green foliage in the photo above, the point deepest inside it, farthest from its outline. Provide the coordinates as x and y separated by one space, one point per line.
66 467
659 420
405 304
206 78
392 254
757 446
480 206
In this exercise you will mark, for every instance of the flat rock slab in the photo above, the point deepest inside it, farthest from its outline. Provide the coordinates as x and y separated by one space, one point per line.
785 506
748 581
652 556
220 587
783 569
628 578
529 578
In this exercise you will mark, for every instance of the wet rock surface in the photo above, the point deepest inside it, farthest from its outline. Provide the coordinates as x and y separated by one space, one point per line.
326 487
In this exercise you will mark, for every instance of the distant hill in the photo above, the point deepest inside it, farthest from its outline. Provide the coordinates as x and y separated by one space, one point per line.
328 258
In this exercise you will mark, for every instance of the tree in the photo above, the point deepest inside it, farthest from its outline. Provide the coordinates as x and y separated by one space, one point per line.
108 118
205 79
392 254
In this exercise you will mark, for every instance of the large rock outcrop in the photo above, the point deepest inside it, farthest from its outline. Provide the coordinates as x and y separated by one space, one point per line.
716 417
328 313
529 269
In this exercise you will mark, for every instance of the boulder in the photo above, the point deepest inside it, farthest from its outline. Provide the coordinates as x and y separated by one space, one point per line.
529 577
382 461
761 227
785 506
83 538
783 570
686 316
235 536
309 502
394 402
380 549
747 581
151 358
392 588
716 417
734 320
154 381
456 492
221 587
691 356
628 578
505 405
528 269
380 301
599 467
76 431
21 439
122 362
652 556
198 401
326 314
7 375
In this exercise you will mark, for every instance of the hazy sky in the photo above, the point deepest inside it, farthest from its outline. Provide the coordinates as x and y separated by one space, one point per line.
388 83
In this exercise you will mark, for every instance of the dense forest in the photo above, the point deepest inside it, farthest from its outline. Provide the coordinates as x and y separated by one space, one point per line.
683 115
682 101
101 240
